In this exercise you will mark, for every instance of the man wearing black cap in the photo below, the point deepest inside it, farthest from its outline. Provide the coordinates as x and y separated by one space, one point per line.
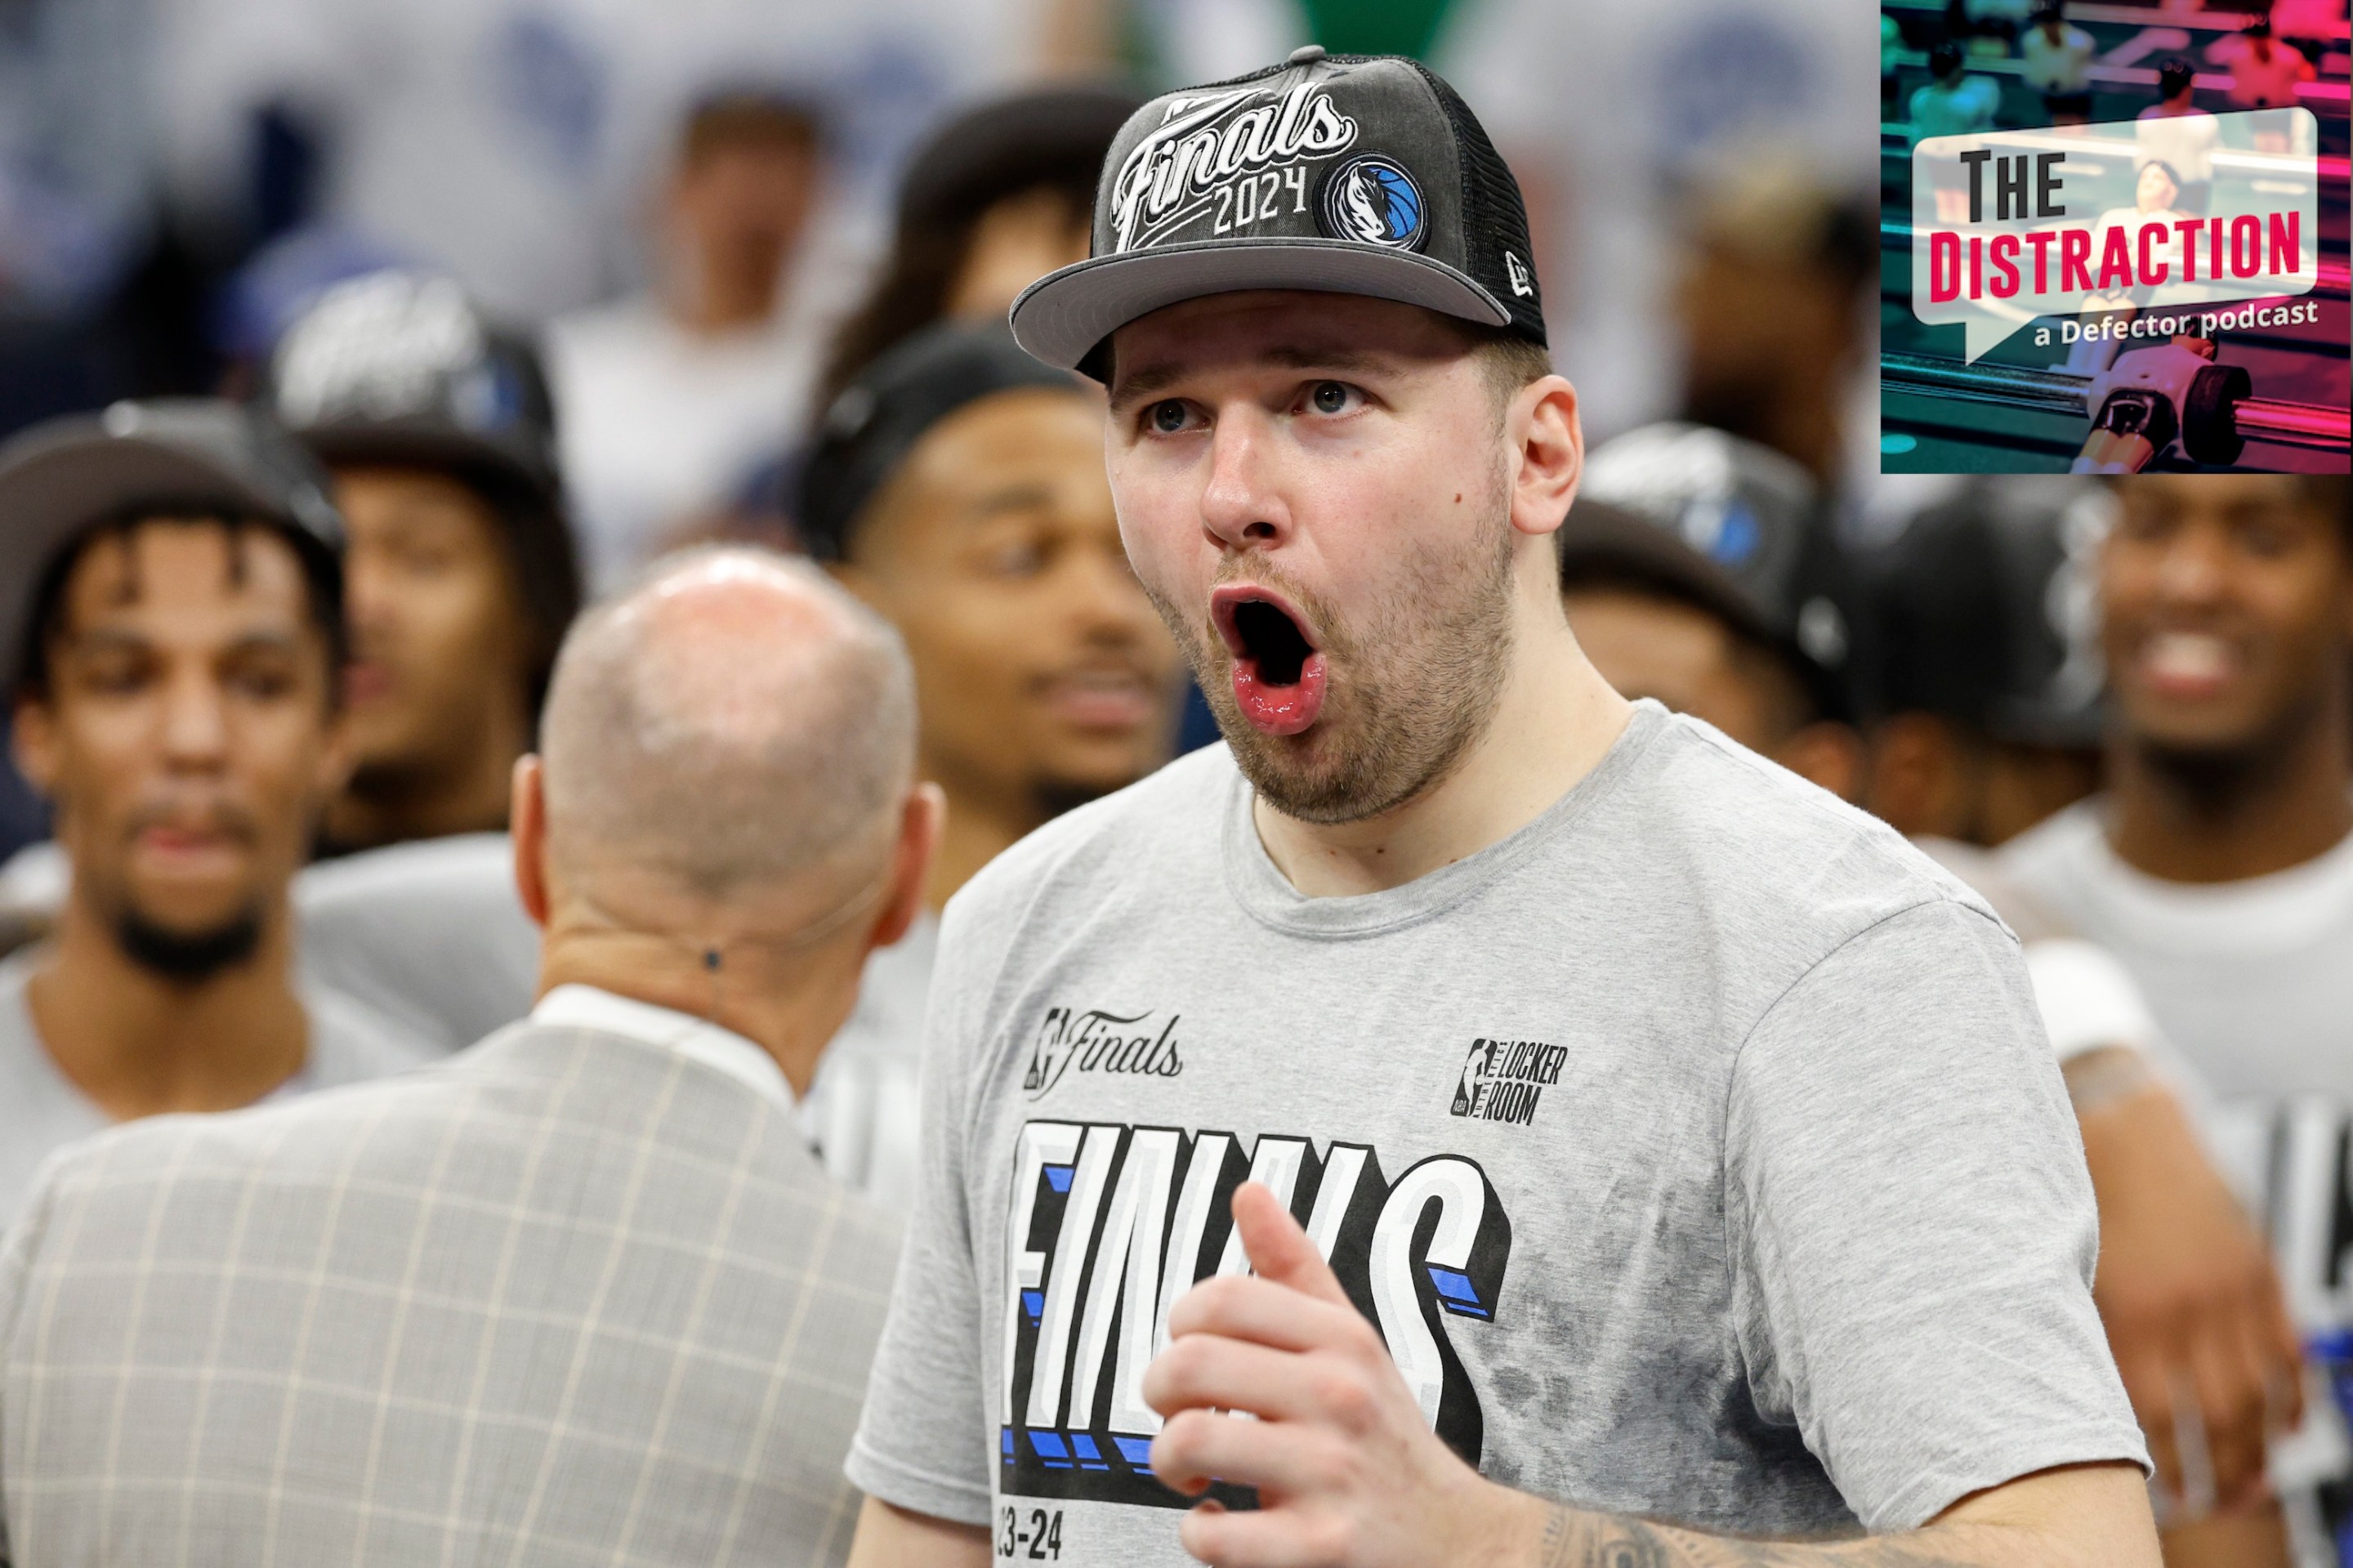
2217 863
175 635
957 486
1499 1091
994 198
1696 569
440 434
1984 621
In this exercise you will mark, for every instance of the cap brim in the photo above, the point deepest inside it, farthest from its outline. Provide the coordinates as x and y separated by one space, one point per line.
1602 540
48 497
1062 316
419 444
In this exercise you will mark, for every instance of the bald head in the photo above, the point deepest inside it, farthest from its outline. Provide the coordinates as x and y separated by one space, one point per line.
733 724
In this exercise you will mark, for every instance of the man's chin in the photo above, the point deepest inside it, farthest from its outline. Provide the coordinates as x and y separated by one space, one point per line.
188 948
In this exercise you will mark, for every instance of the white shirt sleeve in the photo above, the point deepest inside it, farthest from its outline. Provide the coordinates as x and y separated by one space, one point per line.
2087 997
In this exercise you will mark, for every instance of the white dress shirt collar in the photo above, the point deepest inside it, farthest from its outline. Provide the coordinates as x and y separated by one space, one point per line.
588 1007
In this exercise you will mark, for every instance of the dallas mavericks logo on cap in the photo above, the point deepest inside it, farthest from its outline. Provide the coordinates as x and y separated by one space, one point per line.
1372 199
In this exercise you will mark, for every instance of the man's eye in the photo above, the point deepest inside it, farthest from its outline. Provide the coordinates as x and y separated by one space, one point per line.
1330 396
1169 416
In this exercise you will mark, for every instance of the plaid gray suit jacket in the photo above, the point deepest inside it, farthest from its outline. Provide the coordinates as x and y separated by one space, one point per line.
568 1298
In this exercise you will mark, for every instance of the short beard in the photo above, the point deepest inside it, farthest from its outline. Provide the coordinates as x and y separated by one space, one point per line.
1414 685
188 958
2216 781
1052 797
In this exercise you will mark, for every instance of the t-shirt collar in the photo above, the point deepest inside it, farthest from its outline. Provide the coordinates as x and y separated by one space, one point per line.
591 1007
1260 886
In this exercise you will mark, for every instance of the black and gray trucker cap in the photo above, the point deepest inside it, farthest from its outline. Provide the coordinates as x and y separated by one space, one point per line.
889 407
1984 610
1336 174
1737 529
400 367
170 456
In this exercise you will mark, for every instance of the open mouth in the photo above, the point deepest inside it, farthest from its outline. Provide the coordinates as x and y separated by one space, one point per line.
1279 672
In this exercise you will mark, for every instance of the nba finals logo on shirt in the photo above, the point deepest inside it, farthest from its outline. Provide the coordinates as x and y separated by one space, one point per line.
1110 1225
1099 1042
1505 1080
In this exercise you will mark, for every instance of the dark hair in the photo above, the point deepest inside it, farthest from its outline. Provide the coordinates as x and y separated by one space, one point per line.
2331 494
2173 74
1045 139
322 585
537 544
737 117
1793 692
2049 13
2261 28
1945 58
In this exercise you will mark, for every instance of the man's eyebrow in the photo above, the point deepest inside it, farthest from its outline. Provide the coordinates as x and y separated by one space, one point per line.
1147 379
1011 498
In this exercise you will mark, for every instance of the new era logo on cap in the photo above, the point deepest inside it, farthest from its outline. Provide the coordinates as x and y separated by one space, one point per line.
1335 174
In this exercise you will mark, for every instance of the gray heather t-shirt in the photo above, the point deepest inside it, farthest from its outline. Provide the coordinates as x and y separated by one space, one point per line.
1696 1150
41 1110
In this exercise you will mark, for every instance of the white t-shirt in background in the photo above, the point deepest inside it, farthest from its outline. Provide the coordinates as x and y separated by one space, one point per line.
41 1109
659 423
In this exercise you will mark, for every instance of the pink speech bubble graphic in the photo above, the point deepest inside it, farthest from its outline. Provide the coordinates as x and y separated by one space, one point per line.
2119 230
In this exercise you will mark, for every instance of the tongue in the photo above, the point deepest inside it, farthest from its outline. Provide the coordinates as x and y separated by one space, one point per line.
1280 710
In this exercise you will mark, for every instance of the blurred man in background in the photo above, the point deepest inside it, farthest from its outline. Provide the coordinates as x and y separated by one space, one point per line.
440 436
1606 113
582 1290
958 486
1984 622
1773 303
672 395
2216 864
1985 661
176 640
994 198
1696 569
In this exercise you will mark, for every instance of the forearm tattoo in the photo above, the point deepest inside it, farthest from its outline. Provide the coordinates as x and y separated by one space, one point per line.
1575 1539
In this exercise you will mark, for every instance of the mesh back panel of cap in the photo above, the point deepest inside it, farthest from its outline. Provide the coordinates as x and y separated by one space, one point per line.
1494 219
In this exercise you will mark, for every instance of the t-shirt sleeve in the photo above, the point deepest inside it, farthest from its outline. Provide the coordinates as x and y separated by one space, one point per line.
922 1440
1912 1228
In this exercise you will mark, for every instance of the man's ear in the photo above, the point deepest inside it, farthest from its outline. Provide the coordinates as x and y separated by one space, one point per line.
1826 753
527 825
1548 453
920 823
33 744
339 756
1912 774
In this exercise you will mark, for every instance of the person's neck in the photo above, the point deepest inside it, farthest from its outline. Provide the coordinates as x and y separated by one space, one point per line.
791 1007
139 1043
984 819
1553 722
726 299
470 797
2239 817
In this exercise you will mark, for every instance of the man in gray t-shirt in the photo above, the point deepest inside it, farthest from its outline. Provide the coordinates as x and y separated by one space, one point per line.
1540 1115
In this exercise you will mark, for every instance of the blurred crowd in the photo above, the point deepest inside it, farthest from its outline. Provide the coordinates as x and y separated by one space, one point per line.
355 349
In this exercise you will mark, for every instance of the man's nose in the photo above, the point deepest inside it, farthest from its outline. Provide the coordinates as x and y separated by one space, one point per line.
1242 505
2192 569
195 721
